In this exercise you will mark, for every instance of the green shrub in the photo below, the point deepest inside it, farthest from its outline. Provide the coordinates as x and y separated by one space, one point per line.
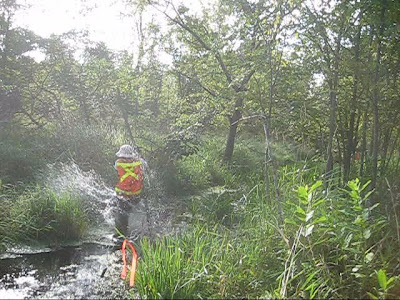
331 235
195 172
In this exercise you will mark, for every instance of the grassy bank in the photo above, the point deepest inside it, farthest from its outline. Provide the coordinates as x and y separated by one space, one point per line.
335 243
36 213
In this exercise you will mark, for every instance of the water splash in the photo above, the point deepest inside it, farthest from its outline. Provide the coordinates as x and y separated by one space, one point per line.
99 198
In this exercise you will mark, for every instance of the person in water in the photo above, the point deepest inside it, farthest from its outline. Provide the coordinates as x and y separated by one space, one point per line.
129 186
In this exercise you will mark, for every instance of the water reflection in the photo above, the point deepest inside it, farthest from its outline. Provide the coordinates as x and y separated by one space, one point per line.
70 272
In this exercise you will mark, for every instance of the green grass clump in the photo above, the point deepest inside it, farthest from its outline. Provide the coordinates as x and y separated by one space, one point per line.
38 213
201 263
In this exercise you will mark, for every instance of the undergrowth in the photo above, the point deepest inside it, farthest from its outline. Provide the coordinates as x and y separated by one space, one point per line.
327 247
329 243
37 213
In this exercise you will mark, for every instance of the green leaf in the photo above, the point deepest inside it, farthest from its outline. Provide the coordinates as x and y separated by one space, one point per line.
391 279
352 185
318 202
374 206
382 279
315 186
290 221
354 195
320 220
302 192
347 240
301 211
310 195
358 221
309 230
365 185
368 194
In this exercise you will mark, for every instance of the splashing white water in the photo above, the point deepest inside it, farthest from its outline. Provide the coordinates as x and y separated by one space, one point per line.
101 200
62 177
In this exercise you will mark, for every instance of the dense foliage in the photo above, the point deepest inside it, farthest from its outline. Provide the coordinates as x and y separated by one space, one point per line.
325 245
275 128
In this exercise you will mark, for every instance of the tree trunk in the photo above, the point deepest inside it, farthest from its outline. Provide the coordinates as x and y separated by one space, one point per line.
353 104
375 100
385 147
339 158
363 143
394 147
267 159
6 50
233 124
333 85
350 148
332 128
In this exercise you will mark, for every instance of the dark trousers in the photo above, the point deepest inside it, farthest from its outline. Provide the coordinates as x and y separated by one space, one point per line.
124 207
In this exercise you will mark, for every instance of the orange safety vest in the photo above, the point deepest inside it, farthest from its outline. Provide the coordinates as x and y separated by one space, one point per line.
130 181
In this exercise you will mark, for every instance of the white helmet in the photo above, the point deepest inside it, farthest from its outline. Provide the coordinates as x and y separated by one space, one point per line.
126 151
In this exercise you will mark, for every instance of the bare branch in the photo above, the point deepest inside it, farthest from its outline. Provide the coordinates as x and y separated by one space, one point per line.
249 117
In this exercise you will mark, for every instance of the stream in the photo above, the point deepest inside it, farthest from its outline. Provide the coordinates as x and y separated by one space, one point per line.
72 272
89 268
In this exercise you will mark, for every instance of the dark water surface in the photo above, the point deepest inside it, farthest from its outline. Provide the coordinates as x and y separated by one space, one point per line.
89 270
75 272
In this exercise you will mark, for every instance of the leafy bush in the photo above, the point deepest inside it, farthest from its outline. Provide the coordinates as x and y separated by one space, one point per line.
333 235
194 172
